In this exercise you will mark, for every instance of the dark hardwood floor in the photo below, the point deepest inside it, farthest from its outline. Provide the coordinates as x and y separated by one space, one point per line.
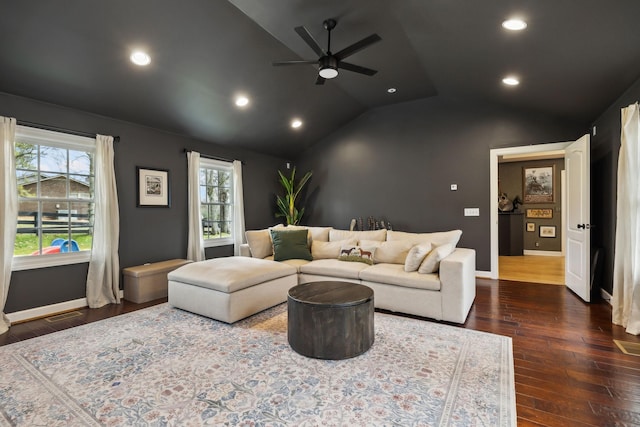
568 371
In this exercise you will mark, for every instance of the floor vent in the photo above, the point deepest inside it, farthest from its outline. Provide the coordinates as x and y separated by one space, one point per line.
632 348
63 316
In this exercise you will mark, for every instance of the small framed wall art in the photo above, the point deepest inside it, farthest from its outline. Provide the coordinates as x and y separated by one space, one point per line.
531 226
546 213
547 231
153 188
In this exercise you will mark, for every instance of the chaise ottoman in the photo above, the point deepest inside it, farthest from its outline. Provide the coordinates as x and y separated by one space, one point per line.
230 288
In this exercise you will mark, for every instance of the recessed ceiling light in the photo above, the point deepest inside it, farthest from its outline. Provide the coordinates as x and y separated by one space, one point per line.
242 101
514 24
296 123
141 58
511 81
391 90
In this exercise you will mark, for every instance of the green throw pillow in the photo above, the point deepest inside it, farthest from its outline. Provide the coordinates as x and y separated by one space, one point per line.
290 244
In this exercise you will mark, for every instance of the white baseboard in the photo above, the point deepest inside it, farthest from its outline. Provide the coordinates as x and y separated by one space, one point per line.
542 253
483 274
605 296
48 310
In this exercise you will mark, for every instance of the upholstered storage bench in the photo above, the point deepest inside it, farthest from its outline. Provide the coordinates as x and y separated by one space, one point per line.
231 288
147 282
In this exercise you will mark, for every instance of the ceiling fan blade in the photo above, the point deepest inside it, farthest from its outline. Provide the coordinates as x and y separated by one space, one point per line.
357 46
308 38
356 68
320 80
276 63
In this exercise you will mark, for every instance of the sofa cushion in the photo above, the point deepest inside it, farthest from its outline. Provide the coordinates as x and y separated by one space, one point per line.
290 244
259 242
431 263
436 239
329 250
394 274
230 274
354 253
415 256
389 252
334 268
379 235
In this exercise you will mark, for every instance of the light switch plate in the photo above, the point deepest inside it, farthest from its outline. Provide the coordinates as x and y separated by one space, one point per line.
454 187
471 211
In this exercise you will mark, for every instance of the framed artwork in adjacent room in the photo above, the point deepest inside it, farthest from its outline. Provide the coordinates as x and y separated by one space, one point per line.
153 188
538 184
546 213
531 226
547 231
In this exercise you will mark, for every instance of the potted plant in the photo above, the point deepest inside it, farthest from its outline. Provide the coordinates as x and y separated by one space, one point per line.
287 204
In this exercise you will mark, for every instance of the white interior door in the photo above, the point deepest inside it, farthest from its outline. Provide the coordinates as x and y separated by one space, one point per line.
577 232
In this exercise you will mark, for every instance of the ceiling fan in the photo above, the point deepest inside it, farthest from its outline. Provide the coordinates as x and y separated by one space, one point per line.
328 63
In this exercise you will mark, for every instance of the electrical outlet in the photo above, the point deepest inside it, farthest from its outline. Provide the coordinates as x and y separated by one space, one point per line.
454 187
537 244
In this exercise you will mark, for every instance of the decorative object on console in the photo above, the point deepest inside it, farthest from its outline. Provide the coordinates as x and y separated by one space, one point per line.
287 204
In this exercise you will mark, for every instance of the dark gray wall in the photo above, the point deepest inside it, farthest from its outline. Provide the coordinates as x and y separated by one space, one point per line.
510 178
605 147
398 162
146 234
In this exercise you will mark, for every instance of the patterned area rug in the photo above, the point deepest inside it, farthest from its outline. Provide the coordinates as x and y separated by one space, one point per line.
162 366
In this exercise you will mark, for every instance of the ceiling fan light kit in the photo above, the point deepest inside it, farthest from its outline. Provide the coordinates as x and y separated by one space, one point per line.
329 63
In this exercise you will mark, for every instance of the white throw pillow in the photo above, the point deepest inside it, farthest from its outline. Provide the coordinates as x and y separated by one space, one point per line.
380 235
436 239
431 262
388 252
415 257
329 250
259 243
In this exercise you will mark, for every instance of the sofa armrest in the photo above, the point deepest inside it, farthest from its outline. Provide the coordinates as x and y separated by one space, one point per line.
244 250
458 284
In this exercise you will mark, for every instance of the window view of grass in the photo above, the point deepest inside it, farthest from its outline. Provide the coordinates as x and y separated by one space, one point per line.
26 244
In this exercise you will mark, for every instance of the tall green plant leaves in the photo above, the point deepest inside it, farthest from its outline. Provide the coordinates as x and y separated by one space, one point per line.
287 203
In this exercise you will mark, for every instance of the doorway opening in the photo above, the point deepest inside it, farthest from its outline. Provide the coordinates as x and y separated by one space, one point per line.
530 265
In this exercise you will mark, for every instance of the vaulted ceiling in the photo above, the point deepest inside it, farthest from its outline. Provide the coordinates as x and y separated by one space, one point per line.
574 59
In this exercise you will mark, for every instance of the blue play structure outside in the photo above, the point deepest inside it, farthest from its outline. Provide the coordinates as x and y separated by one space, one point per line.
66 245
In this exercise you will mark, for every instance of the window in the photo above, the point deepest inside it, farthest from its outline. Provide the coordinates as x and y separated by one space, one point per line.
55 177
216 202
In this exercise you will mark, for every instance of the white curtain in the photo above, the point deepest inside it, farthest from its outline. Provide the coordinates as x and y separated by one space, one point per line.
103 278
195 241
626 268
9 210
238 207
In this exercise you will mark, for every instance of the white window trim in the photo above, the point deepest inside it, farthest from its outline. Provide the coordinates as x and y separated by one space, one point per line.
60 140
226 166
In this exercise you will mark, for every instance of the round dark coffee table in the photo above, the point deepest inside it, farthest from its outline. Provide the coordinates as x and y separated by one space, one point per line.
330 320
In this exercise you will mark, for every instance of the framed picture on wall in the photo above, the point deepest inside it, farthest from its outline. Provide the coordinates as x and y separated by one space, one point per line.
540 213
547 231
153 188
531 226
538 184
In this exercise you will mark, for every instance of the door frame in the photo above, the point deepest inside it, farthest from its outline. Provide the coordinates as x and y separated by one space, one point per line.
493 177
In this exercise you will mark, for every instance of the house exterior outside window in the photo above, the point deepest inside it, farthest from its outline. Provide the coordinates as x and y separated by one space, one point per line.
216 202
55 179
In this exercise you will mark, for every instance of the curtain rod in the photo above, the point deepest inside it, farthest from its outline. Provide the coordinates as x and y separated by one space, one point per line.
206 156
62 130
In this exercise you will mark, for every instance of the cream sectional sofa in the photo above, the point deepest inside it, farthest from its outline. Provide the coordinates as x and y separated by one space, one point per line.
423 274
